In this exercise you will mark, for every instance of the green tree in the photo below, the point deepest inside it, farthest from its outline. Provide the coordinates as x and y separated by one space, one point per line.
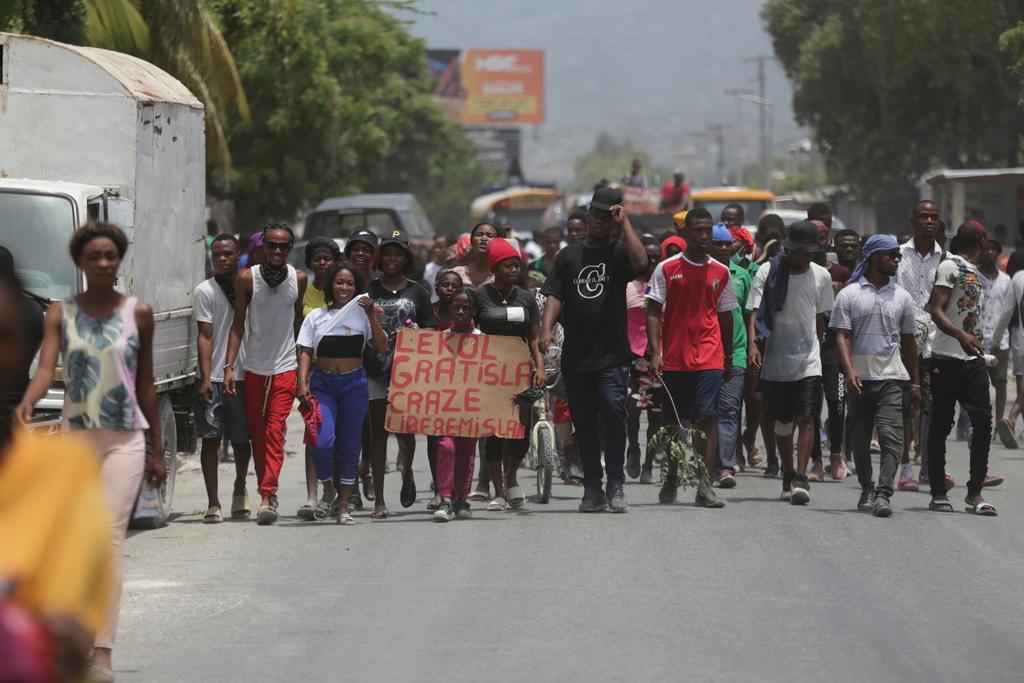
892 88
341 104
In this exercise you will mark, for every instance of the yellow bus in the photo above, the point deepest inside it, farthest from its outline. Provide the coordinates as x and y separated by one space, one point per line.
753 201
522 208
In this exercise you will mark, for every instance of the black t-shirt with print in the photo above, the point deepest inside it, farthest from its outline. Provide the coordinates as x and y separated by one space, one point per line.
591 284
409 304
512 318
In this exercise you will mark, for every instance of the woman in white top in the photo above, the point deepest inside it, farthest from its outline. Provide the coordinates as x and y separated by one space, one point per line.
337 334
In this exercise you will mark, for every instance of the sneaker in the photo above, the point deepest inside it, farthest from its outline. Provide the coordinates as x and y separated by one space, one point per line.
594 500
267 514
801 492
497 504
881 507
307 511
725 479
771 469
786 496
992 480
462 510
707 498
647 475
434 503
633 461
816 473
444 512
616 497
866 501
668 491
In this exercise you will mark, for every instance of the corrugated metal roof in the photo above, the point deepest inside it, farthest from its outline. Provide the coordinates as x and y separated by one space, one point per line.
139 78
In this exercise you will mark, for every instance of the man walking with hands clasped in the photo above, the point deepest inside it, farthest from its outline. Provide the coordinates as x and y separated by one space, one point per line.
874 320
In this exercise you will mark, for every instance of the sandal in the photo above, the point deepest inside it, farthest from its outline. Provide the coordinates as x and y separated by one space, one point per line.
497 505
379 512
838 468
982 508
213 515
480 495
940 505
345 518
408 496
241 506
516 497
368 493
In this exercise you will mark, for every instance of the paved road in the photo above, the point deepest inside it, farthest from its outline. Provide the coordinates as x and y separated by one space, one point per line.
757 591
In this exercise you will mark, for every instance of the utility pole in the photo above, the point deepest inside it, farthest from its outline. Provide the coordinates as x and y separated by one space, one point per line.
761 60
737 145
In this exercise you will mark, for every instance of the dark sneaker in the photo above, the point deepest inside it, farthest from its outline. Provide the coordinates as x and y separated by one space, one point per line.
462 510
725 479
865 504
801 492
771 469
667 494
881 507
445 512
647 475
616 497
593 501
707 498
633 462
267 514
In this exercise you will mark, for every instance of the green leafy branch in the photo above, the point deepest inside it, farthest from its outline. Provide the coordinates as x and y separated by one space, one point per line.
679 457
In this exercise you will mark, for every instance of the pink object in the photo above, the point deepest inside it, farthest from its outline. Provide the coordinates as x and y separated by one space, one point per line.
313 418
455 455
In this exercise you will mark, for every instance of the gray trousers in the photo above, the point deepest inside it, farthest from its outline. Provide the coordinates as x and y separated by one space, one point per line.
880 405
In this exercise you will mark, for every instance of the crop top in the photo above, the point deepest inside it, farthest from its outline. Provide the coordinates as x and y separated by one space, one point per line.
336 333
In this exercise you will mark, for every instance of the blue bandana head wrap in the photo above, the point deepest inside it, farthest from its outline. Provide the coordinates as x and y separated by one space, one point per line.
874 245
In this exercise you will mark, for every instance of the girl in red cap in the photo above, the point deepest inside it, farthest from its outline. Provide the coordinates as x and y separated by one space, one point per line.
506 309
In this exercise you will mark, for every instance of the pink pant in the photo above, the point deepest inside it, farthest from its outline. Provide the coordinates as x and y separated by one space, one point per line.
268 401
455 456
123 461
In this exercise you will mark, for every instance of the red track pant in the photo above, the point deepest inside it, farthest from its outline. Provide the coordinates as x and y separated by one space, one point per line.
268 401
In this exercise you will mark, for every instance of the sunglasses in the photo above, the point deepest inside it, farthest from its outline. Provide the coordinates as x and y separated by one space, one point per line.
277 246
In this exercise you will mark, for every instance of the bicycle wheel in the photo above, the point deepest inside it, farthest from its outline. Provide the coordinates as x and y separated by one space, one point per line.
547 460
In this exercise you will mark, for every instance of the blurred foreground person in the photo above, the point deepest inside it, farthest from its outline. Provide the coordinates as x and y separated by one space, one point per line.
106 341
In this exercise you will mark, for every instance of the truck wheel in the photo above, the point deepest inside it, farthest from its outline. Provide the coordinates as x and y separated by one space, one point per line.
153 506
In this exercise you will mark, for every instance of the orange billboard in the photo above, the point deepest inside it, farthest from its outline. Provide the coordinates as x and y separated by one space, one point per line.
502 86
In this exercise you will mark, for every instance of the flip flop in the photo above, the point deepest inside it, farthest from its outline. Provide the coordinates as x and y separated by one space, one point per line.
213 515
1005 433
983 509
940 505
408 496
241 506
379 512
516 497
479 495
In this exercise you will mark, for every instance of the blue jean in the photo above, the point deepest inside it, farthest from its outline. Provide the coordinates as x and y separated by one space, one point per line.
597 401
344 401
730 406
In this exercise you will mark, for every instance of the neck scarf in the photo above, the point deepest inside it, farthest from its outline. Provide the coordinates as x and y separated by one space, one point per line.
227 285
274 275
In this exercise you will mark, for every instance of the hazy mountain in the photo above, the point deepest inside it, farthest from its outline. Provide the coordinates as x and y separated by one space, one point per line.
647 70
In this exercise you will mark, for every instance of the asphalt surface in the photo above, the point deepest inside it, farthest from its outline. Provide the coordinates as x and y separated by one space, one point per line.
760 590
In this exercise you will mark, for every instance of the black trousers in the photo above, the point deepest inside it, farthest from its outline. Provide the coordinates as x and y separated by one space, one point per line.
967 381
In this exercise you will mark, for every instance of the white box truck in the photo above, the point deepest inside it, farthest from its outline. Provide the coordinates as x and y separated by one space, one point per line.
93 134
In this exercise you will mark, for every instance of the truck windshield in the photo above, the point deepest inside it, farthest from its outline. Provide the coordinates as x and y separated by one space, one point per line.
36 229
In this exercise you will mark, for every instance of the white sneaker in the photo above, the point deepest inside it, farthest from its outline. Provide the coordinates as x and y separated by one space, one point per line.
786 495
434 503
444 512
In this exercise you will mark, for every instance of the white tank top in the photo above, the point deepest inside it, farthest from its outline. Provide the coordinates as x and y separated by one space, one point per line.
270 341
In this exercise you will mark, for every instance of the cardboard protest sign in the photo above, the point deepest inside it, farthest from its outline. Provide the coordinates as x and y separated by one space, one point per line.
448 384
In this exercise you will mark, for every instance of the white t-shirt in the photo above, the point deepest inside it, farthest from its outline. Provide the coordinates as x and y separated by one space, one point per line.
997 310
792 352
966 301
348 321
209 305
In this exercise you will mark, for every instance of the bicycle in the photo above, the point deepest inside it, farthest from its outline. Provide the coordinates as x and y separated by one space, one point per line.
542 457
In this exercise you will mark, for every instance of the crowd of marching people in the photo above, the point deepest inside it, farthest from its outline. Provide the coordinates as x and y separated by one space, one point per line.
710 328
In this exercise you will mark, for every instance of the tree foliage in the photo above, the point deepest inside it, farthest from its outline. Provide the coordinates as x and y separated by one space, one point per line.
892 88
341 104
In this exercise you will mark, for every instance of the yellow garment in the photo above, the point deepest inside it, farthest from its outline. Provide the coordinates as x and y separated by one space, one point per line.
55 527
680 219
312 299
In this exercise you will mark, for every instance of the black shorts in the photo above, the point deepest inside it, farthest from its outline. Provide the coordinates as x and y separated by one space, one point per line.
785 400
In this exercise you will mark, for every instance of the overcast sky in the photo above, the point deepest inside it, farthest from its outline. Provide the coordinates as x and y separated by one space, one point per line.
652 71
